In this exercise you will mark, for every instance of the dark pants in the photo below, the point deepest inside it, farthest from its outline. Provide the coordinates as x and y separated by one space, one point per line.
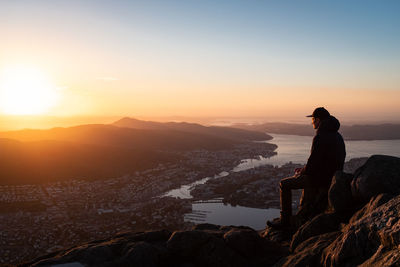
313 199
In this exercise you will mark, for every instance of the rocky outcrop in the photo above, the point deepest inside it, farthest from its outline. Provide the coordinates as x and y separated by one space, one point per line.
339 195
374 232
371 238
361 227
321 224
380 174
204 245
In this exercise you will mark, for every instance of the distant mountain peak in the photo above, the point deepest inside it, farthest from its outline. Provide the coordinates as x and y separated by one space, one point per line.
126 119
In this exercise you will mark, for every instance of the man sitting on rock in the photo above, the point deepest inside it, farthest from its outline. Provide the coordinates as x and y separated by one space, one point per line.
327 156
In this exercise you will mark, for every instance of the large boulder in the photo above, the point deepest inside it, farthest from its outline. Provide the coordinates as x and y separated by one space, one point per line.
339 196
211 250
187 243
380 174
320 224
309 252
246 242
374 203
371 238
205 245
142 254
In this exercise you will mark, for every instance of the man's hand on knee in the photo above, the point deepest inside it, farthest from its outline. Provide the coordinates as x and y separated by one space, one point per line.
299 171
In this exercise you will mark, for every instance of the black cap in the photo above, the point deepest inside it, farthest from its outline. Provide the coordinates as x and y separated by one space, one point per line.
320 113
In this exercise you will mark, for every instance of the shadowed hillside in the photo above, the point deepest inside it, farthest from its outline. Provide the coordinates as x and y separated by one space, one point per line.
108 135
43 161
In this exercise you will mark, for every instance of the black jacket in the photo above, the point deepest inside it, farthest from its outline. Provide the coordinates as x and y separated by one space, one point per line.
327 153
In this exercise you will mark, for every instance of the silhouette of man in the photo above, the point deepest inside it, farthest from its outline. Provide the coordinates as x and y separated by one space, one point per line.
327 156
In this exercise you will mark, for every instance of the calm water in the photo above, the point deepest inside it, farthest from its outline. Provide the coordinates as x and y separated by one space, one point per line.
184 191
218 213
290 148
297 149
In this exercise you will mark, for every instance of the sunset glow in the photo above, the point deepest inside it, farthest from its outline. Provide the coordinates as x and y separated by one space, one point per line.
269 60
126 123
26 91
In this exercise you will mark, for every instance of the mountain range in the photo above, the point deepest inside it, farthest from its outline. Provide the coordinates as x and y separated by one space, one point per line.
353 132
194 128
99 151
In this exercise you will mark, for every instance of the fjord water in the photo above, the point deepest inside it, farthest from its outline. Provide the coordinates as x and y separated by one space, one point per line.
296 149
290 148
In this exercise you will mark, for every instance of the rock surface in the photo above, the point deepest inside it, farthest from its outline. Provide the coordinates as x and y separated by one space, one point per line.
340 196
204 245
323 223
380 174
376 231
370 239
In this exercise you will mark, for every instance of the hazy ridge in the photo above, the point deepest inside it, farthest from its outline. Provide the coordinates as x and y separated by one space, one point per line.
102 151
224 132
353 132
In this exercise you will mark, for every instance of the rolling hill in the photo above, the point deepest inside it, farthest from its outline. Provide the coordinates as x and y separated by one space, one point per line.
217 131
44 161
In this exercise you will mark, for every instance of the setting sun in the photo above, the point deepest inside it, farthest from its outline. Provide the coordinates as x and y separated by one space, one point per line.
26 91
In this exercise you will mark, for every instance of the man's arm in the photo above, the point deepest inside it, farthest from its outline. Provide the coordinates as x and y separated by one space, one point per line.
314 161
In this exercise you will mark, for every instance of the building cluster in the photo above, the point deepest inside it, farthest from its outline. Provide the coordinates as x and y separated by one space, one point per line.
257 187
39 219
80 211
75 211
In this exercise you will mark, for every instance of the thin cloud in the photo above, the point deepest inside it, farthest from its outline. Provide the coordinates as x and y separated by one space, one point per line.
107 79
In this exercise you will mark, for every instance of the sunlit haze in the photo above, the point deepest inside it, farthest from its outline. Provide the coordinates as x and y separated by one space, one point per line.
26 91
239 59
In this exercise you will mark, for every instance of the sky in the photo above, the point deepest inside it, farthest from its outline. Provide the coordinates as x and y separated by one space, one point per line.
267 59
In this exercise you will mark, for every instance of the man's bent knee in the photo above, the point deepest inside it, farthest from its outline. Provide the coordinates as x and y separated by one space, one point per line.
283 185
286 183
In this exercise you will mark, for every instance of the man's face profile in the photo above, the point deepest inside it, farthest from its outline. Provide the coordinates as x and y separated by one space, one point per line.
315 122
